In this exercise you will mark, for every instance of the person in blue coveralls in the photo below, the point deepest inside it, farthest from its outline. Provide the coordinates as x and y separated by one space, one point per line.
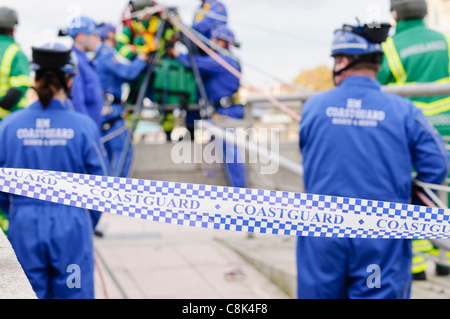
222 89
86 92
114 72
50 238
210 15
360 142
221 86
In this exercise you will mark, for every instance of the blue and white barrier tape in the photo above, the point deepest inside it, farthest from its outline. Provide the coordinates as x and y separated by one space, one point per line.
223 208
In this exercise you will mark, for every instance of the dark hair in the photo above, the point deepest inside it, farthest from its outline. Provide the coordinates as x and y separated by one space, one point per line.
48 82
371 62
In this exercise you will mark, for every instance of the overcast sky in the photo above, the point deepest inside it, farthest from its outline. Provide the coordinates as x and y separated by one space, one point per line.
280 36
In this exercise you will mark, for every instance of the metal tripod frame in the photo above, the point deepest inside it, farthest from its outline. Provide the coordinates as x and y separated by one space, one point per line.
140 100
197 75
165 95
144 88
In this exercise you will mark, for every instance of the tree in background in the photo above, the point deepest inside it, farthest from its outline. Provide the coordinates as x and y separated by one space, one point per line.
318 79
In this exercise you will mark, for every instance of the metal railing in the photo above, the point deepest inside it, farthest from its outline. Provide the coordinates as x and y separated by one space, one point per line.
410 90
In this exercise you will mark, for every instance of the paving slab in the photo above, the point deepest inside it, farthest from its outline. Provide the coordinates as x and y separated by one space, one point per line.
275 257
13 281
174 262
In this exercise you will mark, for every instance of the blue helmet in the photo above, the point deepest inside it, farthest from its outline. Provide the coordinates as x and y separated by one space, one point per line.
104 29
54 56
362 43
348 43
223 33
82 25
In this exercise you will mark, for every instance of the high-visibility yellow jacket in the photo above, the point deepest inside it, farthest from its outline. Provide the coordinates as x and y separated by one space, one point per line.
136 35
14 72
416 54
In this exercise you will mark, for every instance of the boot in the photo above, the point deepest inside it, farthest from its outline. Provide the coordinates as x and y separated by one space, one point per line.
421 276
442 271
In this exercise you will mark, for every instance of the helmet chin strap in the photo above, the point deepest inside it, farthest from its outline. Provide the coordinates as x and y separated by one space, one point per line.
352 64
375 58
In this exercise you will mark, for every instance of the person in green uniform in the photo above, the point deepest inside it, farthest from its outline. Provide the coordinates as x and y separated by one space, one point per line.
416 54
138 36
14 76
14 66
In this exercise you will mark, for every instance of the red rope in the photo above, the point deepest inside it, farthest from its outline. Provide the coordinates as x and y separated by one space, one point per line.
425 199
231 69
97 264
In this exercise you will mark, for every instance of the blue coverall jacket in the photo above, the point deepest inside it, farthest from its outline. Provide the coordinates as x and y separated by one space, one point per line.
113 74
359 142
49 237
219 83
86 92
87 97
204 23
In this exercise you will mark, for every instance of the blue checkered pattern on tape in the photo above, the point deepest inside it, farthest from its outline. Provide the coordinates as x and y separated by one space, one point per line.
360 218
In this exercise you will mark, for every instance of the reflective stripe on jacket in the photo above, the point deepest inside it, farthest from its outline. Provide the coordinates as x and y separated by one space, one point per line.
418 55
136 34
14 72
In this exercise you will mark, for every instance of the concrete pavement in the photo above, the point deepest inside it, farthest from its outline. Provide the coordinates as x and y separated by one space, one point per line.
147 260
275 257
13 281
141 259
